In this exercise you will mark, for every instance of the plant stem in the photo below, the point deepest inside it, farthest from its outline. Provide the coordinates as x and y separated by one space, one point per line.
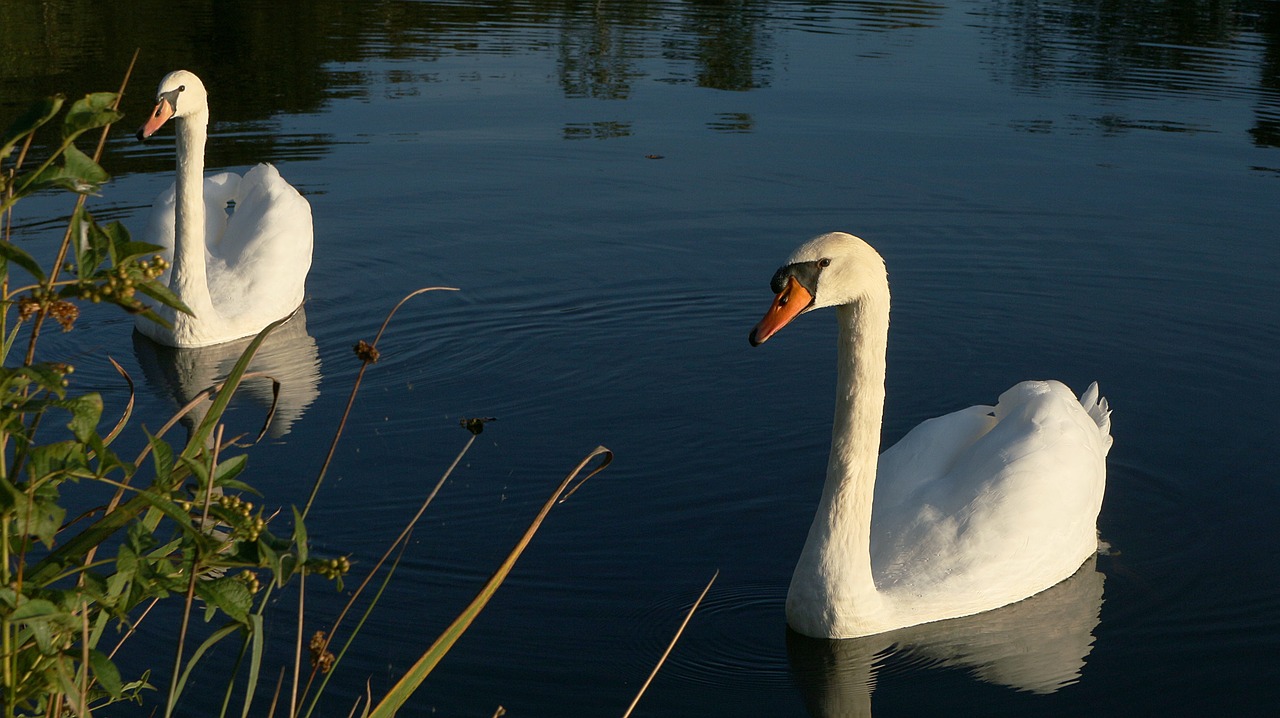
351 400
66 238
192 569
6 629
297 655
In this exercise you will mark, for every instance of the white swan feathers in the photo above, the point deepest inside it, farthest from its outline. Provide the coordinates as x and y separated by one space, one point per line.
240 247
968 512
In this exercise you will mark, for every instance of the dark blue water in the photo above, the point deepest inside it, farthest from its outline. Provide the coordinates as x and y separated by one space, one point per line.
1071 190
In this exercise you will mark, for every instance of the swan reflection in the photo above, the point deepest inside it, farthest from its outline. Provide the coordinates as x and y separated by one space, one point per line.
1037 645
289 355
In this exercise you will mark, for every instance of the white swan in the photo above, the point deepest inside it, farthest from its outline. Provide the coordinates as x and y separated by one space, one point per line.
972 511
240 247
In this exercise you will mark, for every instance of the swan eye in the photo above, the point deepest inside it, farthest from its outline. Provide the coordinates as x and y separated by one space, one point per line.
182 88
824 263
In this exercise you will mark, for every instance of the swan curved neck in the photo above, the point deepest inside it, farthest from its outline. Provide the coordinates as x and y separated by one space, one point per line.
833 583
188 279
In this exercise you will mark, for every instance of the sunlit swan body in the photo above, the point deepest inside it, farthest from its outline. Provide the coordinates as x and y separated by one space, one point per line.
240 246
968 512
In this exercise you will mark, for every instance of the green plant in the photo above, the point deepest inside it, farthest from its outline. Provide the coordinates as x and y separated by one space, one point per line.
174 526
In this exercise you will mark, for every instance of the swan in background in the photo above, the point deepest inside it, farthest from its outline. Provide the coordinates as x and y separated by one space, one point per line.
240 247
288 355
968 512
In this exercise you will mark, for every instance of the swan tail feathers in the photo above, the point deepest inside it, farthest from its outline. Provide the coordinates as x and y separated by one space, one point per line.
1096 406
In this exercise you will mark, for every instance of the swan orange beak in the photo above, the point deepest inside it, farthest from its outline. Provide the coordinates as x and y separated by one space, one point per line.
159 116
790 302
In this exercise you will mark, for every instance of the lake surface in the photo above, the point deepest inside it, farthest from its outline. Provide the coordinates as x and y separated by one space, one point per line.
1072 190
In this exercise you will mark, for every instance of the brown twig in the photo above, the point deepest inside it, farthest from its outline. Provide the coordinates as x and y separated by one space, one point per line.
400 540
367 358
671 645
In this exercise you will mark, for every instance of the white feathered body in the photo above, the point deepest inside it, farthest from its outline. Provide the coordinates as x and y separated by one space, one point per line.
258 246
968 512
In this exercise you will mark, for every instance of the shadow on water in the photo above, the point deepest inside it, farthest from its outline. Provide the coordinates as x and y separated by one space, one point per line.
288 356
1037 645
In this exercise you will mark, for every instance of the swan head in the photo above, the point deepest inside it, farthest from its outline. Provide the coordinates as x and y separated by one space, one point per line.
829 270
181 94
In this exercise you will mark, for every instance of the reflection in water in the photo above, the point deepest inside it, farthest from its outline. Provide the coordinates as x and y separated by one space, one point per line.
1036 645
733 122
603 130
603 50
289 355
1130 49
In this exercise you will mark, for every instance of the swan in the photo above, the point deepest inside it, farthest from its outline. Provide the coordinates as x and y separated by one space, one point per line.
240 247
968 512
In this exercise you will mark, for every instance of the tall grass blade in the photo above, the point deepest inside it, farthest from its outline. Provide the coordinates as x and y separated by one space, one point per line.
229 386
209 642
255 662
414 677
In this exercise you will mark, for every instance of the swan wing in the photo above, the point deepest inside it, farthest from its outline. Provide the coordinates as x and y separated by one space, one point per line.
1007 515
261 257
926 453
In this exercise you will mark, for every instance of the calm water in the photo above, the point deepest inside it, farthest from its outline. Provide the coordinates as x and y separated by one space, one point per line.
1077 190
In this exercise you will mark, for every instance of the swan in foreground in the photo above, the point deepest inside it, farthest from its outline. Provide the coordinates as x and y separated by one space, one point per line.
240 246
972 511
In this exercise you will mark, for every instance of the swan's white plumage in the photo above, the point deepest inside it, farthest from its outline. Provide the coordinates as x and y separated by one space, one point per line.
968 512
256 232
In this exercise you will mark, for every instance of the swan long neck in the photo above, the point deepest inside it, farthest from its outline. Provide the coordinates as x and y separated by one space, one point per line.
835 566
188 279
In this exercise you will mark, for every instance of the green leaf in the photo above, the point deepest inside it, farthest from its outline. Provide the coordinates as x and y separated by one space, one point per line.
229 469
39 516
299 535
10 253
38 114
84 174
76 172
106 672
126 563
74 550
123 248
228 594
44 375
157 291
93 245
36 608
162 457
255 660
59 457
86 410
233 485
171 509
270 559
198 470
90 113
